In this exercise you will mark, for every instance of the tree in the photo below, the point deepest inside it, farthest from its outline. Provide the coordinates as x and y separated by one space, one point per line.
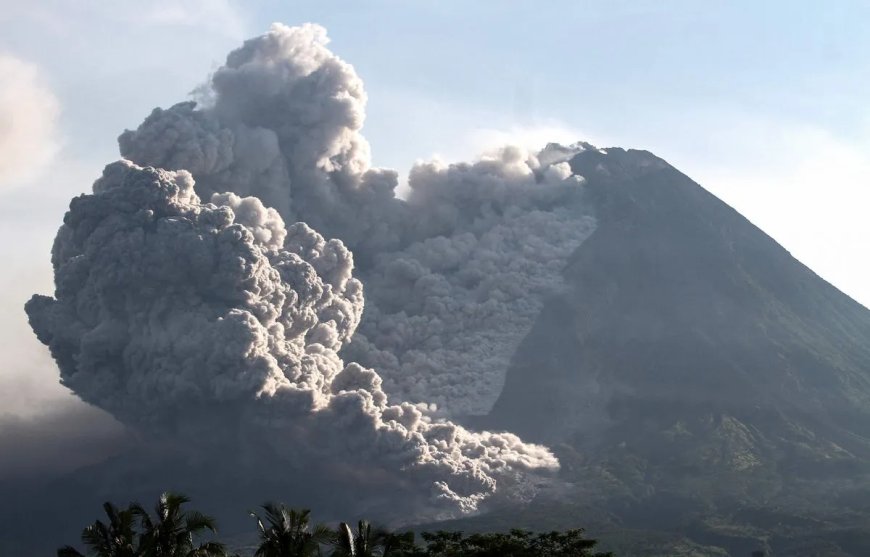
115 539
445 544
285 532
364 542
516 543
565 544
288 533
400 545
171 532
367 541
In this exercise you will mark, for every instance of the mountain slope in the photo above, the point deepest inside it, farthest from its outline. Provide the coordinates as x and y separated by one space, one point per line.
692 368
676 298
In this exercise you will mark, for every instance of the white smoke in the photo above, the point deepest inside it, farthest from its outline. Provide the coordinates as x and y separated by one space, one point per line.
28 120
171 313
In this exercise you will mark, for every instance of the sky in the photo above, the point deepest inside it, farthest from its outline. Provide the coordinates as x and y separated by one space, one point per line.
764 104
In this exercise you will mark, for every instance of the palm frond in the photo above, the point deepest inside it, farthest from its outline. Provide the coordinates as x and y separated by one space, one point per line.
196 521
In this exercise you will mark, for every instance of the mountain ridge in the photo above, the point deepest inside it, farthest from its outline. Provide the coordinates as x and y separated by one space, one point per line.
693 371
657 268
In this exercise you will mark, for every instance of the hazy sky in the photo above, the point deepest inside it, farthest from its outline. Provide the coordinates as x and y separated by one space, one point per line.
765 106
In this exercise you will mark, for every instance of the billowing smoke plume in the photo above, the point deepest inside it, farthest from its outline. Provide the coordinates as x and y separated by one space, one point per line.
455 275
176 314
282 125
168 309
445 314
164 302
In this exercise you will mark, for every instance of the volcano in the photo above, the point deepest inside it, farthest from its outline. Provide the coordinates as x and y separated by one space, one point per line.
705 392
693 375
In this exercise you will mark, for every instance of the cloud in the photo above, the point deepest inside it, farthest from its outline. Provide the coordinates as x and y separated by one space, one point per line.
283 124
176 315
489 242
217 15
190 303
57 441
28 121
187 309
532 137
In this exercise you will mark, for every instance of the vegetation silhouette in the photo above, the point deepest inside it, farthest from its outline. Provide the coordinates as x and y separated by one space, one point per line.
173 531
288 533
133 532
118 538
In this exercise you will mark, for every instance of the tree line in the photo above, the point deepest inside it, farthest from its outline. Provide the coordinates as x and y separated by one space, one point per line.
172 530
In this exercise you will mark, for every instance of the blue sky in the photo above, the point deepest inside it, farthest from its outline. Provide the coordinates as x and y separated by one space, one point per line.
764 104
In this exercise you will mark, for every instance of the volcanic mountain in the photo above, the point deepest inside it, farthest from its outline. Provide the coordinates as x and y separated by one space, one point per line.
692 368
704 391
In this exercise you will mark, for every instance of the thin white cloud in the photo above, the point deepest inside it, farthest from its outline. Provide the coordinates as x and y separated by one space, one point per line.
531 137
219 16
28 121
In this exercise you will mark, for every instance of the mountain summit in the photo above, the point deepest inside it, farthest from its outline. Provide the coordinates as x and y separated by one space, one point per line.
691 358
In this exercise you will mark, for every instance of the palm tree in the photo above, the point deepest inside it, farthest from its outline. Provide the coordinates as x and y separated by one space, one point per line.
288 533
115 539
367 541
171 532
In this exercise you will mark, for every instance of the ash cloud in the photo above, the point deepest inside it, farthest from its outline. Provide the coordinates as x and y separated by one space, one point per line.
445 313
59 441
187 309
455 274
178 316
282 123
